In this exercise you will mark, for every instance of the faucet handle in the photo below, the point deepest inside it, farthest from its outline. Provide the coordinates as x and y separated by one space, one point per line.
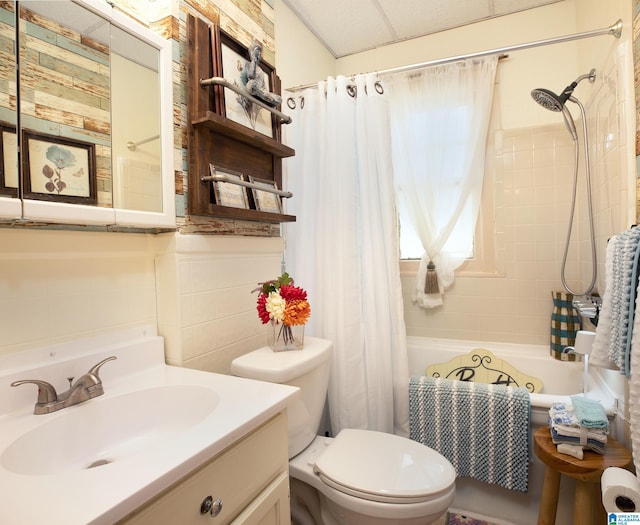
46 392
95 370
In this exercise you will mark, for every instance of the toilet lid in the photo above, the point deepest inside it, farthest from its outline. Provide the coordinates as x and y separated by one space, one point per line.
384 467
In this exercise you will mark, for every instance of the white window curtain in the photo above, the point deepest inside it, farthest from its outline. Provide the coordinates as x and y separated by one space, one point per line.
440 119
343 248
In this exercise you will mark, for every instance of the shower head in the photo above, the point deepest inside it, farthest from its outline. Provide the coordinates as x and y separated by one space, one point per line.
549 100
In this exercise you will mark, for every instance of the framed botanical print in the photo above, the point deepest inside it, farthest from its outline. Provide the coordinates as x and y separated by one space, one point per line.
59 169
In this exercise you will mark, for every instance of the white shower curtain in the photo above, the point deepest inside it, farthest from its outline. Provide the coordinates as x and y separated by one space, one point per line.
439 128
343 248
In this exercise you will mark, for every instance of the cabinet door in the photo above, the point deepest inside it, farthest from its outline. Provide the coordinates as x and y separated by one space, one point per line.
269 508
237 478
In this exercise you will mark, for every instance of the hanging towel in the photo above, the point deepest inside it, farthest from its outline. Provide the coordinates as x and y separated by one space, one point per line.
590 413
600 348
613 339
482 429
634 391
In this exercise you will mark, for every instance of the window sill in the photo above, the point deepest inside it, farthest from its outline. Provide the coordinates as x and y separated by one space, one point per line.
470 268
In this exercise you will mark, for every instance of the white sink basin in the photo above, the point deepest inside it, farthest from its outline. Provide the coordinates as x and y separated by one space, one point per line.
96 462
103 431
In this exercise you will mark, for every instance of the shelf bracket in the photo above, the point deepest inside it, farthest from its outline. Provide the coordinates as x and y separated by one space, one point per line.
219 81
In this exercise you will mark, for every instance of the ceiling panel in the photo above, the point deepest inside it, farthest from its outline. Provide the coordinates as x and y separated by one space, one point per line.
413 18
344 25
350 26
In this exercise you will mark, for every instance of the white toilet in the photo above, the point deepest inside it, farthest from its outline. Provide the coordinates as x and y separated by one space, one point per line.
360 477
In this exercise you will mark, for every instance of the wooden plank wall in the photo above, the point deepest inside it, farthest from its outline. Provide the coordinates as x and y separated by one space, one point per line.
64 89
74 66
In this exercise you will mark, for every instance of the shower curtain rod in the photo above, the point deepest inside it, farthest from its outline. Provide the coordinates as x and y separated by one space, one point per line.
615 30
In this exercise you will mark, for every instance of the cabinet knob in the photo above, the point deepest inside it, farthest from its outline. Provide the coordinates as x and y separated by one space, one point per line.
206 505
210 506
216 508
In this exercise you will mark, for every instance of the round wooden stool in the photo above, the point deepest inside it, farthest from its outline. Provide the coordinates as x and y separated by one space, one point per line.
587 507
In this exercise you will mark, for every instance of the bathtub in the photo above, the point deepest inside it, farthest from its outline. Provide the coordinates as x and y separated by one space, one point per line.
561 379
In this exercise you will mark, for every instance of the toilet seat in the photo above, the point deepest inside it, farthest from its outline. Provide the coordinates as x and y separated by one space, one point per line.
384 467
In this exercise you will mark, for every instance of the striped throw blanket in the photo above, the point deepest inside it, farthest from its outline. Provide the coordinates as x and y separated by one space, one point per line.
482 429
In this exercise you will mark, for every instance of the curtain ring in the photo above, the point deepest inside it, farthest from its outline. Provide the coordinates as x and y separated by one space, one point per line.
352 90
291 103
379 88
301 102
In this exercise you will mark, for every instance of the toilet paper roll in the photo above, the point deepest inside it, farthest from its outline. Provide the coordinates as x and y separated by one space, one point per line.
620 490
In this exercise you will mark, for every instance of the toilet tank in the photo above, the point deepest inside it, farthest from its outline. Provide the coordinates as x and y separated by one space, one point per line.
308 369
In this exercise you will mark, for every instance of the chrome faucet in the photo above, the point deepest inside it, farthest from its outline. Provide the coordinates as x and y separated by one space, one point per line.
86 387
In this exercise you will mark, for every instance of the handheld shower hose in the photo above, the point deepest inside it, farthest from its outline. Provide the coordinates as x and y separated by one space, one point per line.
553 102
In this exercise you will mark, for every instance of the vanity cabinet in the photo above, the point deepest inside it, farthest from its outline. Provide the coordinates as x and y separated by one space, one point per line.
250 479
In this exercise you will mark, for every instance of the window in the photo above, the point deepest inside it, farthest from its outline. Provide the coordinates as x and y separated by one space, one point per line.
482 261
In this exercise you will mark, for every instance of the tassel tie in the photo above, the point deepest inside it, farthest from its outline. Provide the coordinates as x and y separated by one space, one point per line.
431 280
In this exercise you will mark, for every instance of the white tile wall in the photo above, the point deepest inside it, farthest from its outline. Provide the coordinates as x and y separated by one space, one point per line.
208 313
62 285
533 187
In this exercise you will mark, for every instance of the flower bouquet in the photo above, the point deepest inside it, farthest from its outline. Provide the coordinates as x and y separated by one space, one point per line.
286 308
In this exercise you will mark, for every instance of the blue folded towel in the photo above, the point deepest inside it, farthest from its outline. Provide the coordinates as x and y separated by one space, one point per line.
590 413
593 444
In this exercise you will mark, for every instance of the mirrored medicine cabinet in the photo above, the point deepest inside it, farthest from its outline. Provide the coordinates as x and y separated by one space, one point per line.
86 116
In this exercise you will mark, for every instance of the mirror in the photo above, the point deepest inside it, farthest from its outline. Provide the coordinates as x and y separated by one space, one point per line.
93 115
64 104
136 155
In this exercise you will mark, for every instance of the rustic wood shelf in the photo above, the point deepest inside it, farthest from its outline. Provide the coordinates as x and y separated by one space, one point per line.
221 142
228 212
219 124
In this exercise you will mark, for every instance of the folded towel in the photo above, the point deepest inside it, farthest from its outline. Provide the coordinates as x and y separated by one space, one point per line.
570 450
590 413
582 433
561 407
561 414
592 444
564 419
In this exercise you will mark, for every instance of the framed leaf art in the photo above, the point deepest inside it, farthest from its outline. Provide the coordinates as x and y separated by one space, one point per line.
59 169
